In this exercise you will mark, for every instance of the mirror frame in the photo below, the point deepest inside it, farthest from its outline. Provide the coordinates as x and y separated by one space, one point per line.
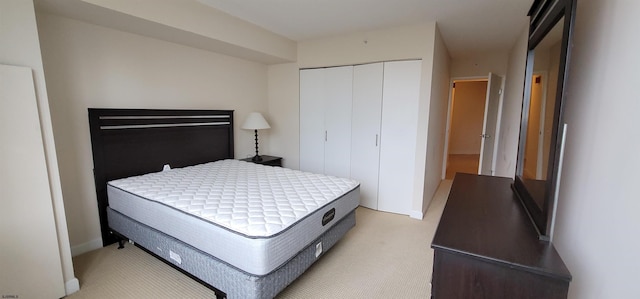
544 15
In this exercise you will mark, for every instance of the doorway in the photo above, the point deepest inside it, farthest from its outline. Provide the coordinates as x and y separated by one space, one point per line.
466 117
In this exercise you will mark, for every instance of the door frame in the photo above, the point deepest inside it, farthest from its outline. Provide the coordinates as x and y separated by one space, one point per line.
447 132
541 126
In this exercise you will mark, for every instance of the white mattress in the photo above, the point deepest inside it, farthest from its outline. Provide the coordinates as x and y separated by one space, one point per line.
251 216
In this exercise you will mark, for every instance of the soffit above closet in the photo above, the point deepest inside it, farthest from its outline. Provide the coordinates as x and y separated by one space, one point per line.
466 26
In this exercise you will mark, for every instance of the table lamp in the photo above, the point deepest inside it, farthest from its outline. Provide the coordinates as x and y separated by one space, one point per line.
255 121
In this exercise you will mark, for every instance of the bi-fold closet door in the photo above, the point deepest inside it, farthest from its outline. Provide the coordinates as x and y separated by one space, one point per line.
365 130
325 120
384 132
361 122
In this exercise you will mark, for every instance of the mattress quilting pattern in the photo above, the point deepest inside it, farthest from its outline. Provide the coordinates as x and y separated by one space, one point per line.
250 199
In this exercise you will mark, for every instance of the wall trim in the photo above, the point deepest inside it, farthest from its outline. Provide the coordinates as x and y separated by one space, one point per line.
416 214
71 286
86 247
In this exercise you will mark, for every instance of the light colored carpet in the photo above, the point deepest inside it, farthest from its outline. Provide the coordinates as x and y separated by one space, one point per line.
384 256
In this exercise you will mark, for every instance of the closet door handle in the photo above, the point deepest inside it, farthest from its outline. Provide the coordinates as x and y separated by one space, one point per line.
325 136
376 139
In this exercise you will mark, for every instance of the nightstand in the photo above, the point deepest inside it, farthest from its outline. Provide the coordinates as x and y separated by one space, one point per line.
266 160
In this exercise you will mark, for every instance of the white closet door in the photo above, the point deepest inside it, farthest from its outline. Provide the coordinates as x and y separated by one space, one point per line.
337 119
312 130
365 130
29 258
401 92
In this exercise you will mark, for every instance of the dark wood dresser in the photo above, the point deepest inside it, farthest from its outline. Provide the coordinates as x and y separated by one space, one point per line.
487 247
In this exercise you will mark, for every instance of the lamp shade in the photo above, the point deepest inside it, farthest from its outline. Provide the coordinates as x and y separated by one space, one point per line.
255 121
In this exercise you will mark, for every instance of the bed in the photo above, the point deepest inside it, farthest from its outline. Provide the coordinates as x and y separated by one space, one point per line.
166 180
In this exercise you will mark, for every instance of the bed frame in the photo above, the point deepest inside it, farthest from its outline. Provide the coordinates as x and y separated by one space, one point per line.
129 142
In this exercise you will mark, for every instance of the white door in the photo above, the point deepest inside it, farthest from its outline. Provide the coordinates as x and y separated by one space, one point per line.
29 259
365 130
491 112
401 92
337 121
325 120
312 129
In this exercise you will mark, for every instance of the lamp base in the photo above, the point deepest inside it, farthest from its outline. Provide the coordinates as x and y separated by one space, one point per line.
257 157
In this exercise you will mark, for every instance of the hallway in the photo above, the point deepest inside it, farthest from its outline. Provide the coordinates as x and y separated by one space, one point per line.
461 163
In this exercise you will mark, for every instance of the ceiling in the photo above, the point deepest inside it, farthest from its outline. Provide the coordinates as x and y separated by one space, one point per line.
468 27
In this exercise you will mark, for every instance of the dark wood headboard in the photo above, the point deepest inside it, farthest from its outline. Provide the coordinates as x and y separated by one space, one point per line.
128 142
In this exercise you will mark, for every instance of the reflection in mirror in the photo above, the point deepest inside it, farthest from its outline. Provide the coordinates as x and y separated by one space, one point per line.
541 112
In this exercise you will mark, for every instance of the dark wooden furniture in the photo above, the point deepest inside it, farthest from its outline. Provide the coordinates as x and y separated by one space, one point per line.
128 142
266 160
486 246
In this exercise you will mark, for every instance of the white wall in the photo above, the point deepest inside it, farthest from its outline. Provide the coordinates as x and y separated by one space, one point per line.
93 66
411 42
436 135
480 64
511 108
598 225
20 46
284 113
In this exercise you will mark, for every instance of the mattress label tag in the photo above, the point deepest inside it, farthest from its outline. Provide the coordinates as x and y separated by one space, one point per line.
176 257
318 249
328 216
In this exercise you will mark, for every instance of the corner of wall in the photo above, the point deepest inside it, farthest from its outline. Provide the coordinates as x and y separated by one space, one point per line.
424 119
71 286
417 214
25 50
284 110
437 118
506 155
86 247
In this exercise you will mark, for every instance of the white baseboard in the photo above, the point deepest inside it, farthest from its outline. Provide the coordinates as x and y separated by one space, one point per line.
72 286
86 247
416 215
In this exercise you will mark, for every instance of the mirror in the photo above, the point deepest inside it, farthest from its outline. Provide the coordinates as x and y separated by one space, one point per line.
540 139
544 81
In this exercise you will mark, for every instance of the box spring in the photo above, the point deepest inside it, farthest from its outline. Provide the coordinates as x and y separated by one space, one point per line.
222 276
